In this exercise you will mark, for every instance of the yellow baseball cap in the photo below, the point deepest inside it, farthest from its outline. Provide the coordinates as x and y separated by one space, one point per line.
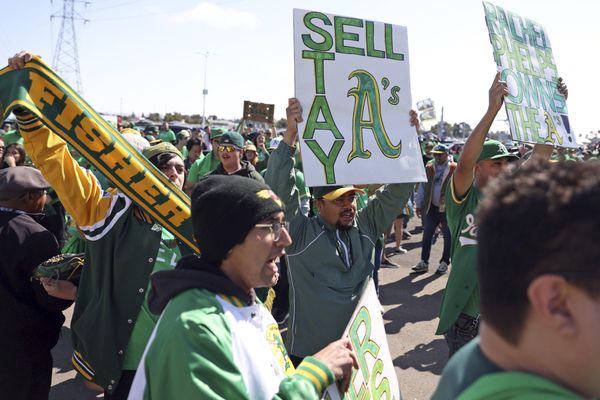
333 192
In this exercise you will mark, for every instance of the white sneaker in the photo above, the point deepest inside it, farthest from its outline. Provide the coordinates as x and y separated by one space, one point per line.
442 268
421 267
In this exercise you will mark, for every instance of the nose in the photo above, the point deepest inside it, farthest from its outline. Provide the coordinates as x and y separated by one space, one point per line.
170 172
285 239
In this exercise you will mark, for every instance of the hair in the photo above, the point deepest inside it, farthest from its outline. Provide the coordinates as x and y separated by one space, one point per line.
538 219
161 159
21 151
193 142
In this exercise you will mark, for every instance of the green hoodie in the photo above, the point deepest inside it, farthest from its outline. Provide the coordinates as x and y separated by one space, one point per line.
470 375
514 385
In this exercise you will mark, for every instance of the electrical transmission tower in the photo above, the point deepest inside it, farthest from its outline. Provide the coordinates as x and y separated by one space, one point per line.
66 57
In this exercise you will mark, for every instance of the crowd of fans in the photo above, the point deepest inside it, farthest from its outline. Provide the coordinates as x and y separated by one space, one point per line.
249 203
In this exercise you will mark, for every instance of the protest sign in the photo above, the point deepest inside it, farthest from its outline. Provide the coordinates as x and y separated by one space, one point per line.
259 112
537 112
352 79
375 378
37 89
427 109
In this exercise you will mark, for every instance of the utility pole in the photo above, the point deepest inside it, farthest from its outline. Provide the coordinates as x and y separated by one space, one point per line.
204 91
66 57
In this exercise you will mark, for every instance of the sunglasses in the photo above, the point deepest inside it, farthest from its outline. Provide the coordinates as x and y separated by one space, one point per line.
227 149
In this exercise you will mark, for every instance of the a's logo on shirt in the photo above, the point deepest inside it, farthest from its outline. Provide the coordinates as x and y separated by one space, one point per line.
470 232
278 349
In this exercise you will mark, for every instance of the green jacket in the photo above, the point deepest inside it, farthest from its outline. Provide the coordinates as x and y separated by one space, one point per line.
214 341
324 291
122 246
247 171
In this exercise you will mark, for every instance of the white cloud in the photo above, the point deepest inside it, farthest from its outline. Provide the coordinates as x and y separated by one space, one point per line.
217 16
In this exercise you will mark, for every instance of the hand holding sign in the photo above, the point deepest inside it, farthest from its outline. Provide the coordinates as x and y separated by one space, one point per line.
294 116
498 90
340 359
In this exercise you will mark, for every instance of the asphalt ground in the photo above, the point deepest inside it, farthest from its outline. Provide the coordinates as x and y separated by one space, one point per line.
411 304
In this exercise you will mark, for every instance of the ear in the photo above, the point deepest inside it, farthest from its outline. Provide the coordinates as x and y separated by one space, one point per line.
319 204
551 300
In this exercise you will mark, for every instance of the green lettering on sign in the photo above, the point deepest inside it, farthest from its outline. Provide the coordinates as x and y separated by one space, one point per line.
319 58
371 50
327 42
389 44
320 106
341 36
366 94
363 345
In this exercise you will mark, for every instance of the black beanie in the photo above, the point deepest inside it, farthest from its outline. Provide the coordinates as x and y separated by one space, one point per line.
225 208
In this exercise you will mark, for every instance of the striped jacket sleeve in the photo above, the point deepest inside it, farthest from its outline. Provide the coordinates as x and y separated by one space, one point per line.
95 211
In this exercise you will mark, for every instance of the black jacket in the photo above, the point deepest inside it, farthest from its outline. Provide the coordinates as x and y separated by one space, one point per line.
32 319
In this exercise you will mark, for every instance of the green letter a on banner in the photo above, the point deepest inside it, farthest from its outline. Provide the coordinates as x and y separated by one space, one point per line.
366 94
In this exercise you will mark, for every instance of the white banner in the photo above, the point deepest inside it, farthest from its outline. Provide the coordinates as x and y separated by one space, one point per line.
376 378
352 78
537 112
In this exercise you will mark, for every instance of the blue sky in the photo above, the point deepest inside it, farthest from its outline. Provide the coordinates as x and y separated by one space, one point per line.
145 55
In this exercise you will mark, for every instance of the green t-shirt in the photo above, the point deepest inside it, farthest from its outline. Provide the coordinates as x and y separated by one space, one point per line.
202 167
167 136
462 293
166 259
11 137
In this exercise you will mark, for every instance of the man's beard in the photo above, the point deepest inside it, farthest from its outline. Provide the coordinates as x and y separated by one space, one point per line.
343 227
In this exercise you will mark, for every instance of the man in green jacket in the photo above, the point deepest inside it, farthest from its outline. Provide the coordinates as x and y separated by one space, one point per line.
111 322
538 266
215 340
332 253
479 162
206 165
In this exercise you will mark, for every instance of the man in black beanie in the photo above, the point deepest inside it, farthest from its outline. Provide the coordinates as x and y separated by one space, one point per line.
212 328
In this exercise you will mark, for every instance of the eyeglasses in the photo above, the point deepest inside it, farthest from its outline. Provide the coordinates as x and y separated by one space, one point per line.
227 149
275 228
340 201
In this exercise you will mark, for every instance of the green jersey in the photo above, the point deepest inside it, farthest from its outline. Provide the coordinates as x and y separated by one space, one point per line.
462 293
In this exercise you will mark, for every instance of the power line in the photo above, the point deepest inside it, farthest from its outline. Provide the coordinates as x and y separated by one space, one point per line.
66 57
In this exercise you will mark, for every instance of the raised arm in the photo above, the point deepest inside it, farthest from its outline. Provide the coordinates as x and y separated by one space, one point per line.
280 174
463 175
77 188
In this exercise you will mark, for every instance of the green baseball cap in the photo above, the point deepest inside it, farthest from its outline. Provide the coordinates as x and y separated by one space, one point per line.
161 147
232 137
493 149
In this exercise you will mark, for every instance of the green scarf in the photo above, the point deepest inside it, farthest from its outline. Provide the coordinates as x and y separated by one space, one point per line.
515 385
40 91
